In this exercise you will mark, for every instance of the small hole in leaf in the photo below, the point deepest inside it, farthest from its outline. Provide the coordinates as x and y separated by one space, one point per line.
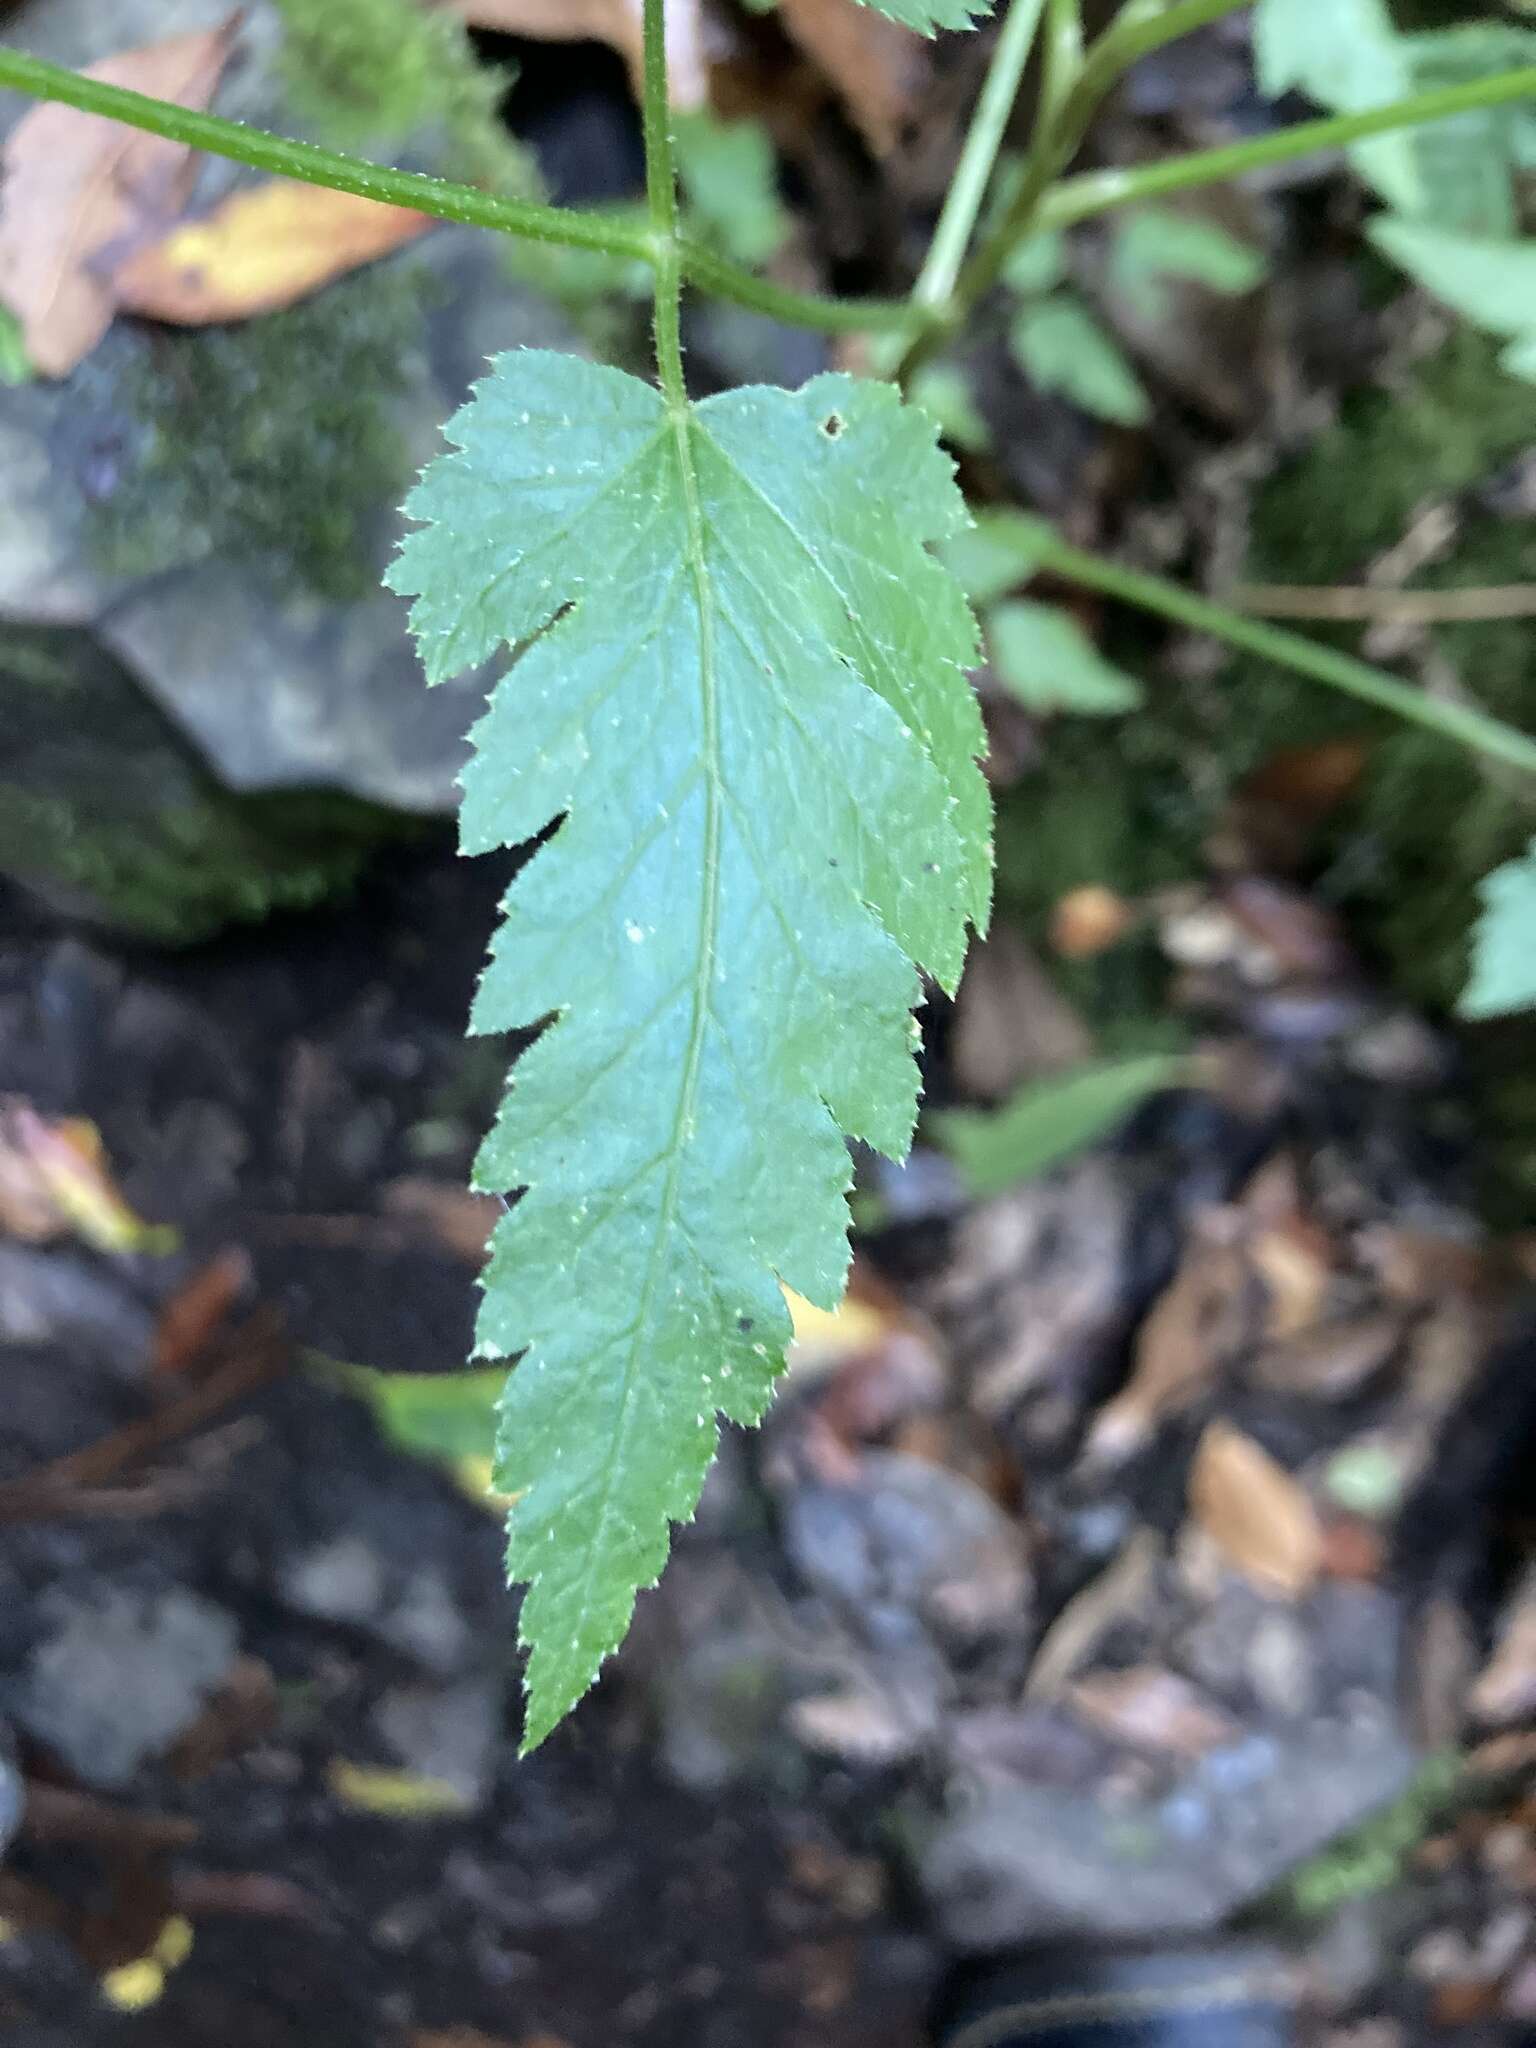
832 425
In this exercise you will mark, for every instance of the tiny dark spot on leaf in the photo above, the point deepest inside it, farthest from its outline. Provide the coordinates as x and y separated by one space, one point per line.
743 1323
832 425
832 862
930 867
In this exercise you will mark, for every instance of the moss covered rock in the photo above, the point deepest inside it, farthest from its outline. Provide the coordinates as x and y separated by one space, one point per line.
108 814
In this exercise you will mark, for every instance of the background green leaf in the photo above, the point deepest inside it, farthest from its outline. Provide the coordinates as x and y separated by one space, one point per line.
1049 1120
1503 974
1048 663
1059 346
995 554
1153 244
730 184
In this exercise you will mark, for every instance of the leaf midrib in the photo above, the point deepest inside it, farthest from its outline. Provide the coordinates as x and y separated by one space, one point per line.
681 424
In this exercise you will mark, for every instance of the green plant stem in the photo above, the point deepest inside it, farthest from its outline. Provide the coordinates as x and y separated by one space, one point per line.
1138 30
726 280
285 158
661 207
1460 722
951 238
1062 50
1076 199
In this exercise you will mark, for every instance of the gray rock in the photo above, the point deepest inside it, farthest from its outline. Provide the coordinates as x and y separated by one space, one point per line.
281 685
1020 1862
446 1732
345 1579
912 1539
109 813
62 1297
120 1675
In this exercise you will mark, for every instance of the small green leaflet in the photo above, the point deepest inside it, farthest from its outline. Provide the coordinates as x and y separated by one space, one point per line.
1059 346
432 1414
1047 1121
1493 284
730 182
1153 244
923 15
742 693
1046 660
1504 942
996 554
943 391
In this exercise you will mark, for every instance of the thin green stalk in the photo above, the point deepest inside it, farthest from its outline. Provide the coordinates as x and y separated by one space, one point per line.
712 273
952 236
661 206
285 158
1141 27
1460 722
1096 191
1062 51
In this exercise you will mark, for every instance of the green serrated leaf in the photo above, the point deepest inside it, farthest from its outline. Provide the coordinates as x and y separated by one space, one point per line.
1503 974
742 693
1048 663
928 16
1047 1121
1154 244
1060 347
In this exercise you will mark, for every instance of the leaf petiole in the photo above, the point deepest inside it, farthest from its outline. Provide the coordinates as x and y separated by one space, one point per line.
283 157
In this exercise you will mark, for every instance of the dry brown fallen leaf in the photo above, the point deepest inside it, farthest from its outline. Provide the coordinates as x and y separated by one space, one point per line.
1506 1690
1258 1516
1152 1709
615 22
263 248
1012 1024
80 192
1192 1332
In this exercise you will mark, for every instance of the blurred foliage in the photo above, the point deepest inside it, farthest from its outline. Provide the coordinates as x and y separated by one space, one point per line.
1430 820
107 811
1503 974
1049 1120
1375 1856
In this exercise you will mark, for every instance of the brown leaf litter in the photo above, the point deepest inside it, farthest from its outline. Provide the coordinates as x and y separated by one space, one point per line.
80 193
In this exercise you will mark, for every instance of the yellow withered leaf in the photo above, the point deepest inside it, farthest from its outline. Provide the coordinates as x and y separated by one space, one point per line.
265 247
